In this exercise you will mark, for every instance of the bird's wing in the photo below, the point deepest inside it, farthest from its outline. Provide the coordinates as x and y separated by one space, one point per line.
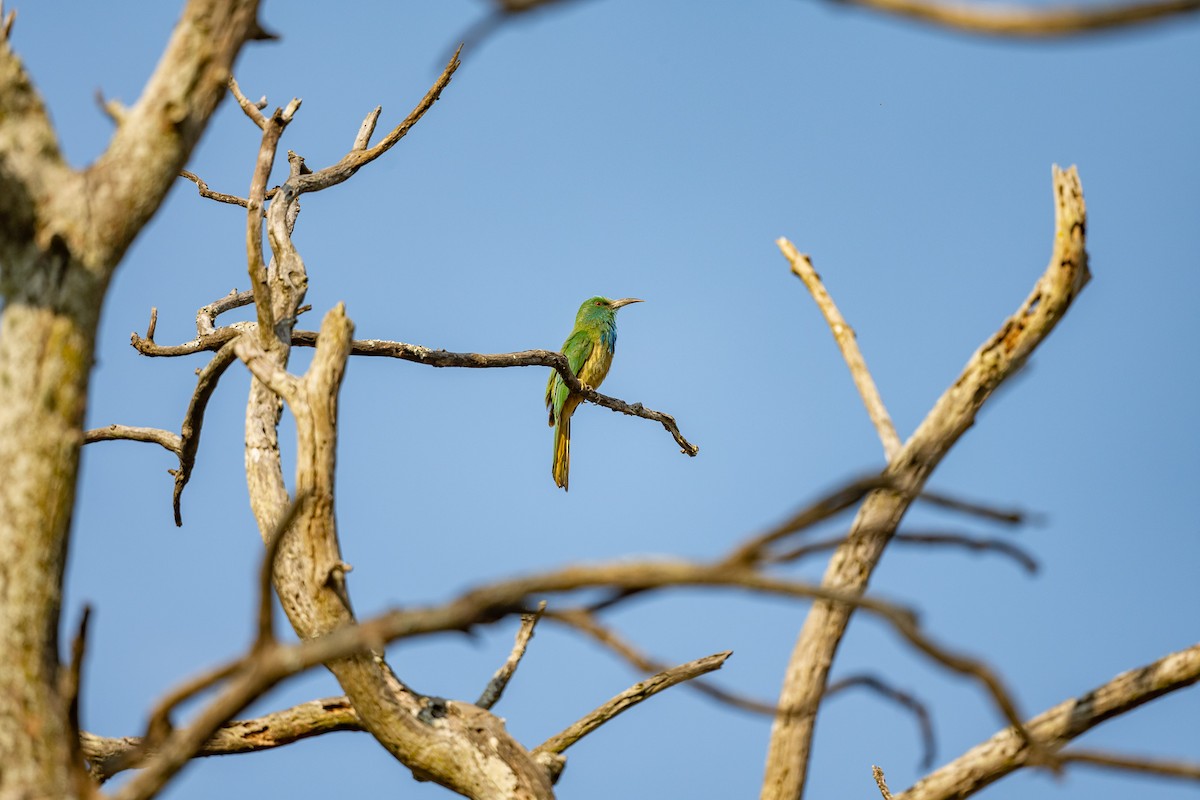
577 348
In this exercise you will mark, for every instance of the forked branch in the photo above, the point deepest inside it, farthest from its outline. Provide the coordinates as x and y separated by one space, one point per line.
852 564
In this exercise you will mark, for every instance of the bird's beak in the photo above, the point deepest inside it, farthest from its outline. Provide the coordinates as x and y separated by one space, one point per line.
624 301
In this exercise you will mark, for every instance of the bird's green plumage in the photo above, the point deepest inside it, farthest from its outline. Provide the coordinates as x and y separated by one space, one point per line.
589 351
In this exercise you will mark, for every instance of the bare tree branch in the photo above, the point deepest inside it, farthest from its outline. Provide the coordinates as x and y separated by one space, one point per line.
881 782
206 316
1008 516
524 358
1151 766
989 545
72 684
852 564
903 699
1005 21
584 621
803 269
253 111
437 358
629 698
63 235
165 439
257 267
1029 22
205 192
108 755
206 384
825 507
495 688
1006 752
360 155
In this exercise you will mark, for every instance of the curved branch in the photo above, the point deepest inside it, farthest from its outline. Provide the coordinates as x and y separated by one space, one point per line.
206 384
360 155
1037 23
110 433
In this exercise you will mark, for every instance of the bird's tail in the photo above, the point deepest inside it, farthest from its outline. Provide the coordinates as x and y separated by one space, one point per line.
562 451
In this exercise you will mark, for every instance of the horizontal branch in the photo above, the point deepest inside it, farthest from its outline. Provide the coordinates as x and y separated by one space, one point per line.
1167 768
1009 21
434 358
1030 22
524 358
166 439
109 755
988 545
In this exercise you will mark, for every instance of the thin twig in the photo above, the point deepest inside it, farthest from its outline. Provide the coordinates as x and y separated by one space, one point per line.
206 316
495 688
205 192
582 620
114 109
630 698
823 508
888 692
206 384
1010 516
363 139
803 269
252 110
1167 768
72 684
990 545
881 782
360 157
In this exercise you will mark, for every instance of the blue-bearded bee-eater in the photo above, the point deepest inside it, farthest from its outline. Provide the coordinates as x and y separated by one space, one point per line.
589 351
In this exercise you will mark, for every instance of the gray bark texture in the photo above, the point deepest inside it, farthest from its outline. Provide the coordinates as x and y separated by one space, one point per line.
62 234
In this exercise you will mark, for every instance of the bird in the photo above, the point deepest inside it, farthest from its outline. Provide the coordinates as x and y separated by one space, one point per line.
589 351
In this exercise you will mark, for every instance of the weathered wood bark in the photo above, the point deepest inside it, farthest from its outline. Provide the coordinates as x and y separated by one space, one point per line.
62 234
458 745
954 413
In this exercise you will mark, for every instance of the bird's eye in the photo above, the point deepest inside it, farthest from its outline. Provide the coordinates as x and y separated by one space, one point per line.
599 303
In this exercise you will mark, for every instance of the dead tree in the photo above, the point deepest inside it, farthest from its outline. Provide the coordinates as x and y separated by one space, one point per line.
65 231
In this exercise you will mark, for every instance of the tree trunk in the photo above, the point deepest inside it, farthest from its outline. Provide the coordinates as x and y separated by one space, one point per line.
47 339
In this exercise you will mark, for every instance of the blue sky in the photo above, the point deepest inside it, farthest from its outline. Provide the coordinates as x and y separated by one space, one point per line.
657 150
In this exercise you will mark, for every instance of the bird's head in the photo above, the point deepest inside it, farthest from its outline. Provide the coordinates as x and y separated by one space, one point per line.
602 307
